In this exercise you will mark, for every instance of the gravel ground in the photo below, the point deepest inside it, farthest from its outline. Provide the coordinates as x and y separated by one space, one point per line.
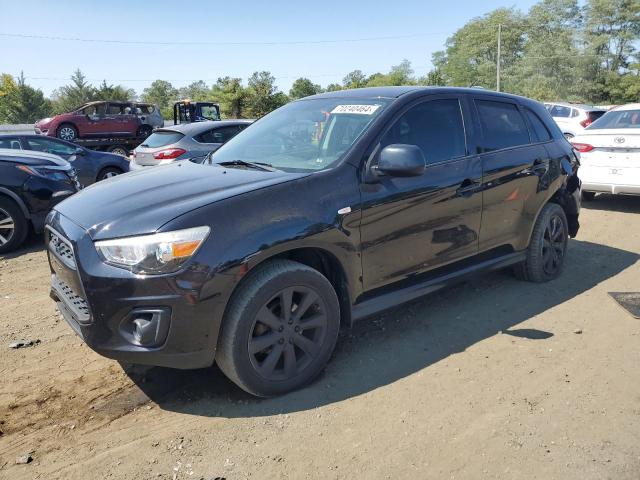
493 378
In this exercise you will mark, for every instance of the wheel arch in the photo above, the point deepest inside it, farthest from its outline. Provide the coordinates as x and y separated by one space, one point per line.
13 196
320 259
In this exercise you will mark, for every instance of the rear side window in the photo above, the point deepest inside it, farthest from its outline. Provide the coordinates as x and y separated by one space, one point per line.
12 143
502 125
435 126
217 135
162 139
560 111
575 113
540 132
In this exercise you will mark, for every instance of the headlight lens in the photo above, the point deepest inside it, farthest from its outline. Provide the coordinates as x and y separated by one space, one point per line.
153 254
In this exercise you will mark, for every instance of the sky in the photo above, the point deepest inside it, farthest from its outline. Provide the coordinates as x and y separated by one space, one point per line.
320 40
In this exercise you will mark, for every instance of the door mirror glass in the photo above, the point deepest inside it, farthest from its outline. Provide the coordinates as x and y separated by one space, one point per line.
401 160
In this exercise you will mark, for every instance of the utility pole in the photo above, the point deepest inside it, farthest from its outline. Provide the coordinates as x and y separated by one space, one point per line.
498 60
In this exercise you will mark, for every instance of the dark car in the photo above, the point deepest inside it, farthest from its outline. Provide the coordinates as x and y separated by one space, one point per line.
96 119
91 166
325 211
31 183
191 141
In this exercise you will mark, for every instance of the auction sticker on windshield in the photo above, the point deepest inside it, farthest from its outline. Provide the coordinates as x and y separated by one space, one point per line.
358 109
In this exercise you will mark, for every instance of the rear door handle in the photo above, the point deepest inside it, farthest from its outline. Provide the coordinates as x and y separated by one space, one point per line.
467 188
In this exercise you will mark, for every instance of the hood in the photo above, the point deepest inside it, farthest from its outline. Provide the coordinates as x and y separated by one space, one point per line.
141 202
32 158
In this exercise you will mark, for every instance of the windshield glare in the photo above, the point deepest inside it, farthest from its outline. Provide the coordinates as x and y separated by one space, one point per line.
617 119
303 136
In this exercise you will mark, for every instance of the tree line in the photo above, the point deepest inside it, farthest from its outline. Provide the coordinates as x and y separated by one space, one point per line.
558 50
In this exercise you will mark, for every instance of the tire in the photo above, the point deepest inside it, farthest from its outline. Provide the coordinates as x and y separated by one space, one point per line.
588 196
67 132
144 131
118 150
267 351
13 225
547 248
108 172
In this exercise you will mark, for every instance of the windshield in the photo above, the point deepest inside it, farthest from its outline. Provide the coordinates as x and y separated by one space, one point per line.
617 119
303 136
210 112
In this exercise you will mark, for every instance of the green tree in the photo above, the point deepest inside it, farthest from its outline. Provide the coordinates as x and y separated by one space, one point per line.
196 92
162 94
303 87
116 93
401 74
354 79
612 31
22 103
8 89
231 95
69 97
470 55
334 87
263 95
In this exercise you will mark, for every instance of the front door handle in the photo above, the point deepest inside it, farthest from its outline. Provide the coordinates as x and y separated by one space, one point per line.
540 166
467 188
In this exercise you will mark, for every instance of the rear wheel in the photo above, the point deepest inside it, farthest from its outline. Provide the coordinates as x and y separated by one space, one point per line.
280 329
67 132
108 173
548 246
13 225
588 196
118 150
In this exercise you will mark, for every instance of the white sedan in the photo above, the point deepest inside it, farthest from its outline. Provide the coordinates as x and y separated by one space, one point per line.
610 153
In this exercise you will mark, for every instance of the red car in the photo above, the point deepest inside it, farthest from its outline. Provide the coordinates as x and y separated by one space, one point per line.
95 119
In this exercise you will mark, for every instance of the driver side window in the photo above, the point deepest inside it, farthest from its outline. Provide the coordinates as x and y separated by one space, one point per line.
435 126
50 146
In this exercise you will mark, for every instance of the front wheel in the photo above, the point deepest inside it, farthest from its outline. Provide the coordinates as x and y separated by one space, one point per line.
548 246
108 173
67 132
13 225
280 329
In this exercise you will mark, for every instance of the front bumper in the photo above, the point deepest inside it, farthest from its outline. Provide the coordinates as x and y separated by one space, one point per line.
99 302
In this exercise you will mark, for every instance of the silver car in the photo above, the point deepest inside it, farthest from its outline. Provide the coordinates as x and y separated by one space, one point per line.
191 141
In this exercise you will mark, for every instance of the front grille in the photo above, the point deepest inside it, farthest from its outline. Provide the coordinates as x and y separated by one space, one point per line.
62 249
74 303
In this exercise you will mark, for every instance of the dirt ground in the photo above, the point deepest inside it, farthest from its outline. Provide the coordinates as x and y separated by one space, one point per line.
494 378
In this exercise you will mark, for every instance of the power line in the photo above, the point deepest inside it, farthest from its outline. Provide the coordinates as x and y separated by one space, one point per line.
218 43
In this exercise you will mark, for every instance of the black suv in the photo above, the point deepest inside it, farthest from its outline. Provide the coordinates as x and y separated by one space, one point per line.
327 210
31 183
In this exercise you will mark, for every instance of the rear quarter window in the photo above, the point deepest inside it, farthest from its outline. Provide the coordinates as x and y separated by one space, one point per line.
162 139
502 125
540 131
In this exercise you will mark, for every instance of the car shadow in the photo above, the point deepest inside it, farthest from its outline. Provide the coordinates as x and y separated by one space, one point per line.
388 347
615 203
33 243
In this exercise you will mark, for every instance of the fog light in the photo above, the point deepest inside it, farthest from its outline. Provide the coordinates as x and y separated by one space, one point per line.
146 327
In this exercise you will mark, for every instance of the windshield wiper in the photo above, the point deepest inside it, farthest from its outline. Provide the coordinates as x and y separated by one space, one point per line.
267 167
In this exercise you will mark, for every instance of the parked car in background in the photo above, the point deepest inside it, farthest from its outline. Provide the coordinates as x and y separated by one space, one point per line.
92 166
572 118
191 141
149 114
31 183
256 257
99 119
610 153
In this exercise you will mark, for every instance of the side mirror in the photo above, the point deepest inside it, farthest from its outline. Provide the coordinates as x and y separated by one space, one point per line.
401 160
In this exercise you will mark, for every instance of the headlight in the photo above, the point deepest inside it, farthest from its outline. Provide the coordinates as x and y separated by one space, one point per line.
153 254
